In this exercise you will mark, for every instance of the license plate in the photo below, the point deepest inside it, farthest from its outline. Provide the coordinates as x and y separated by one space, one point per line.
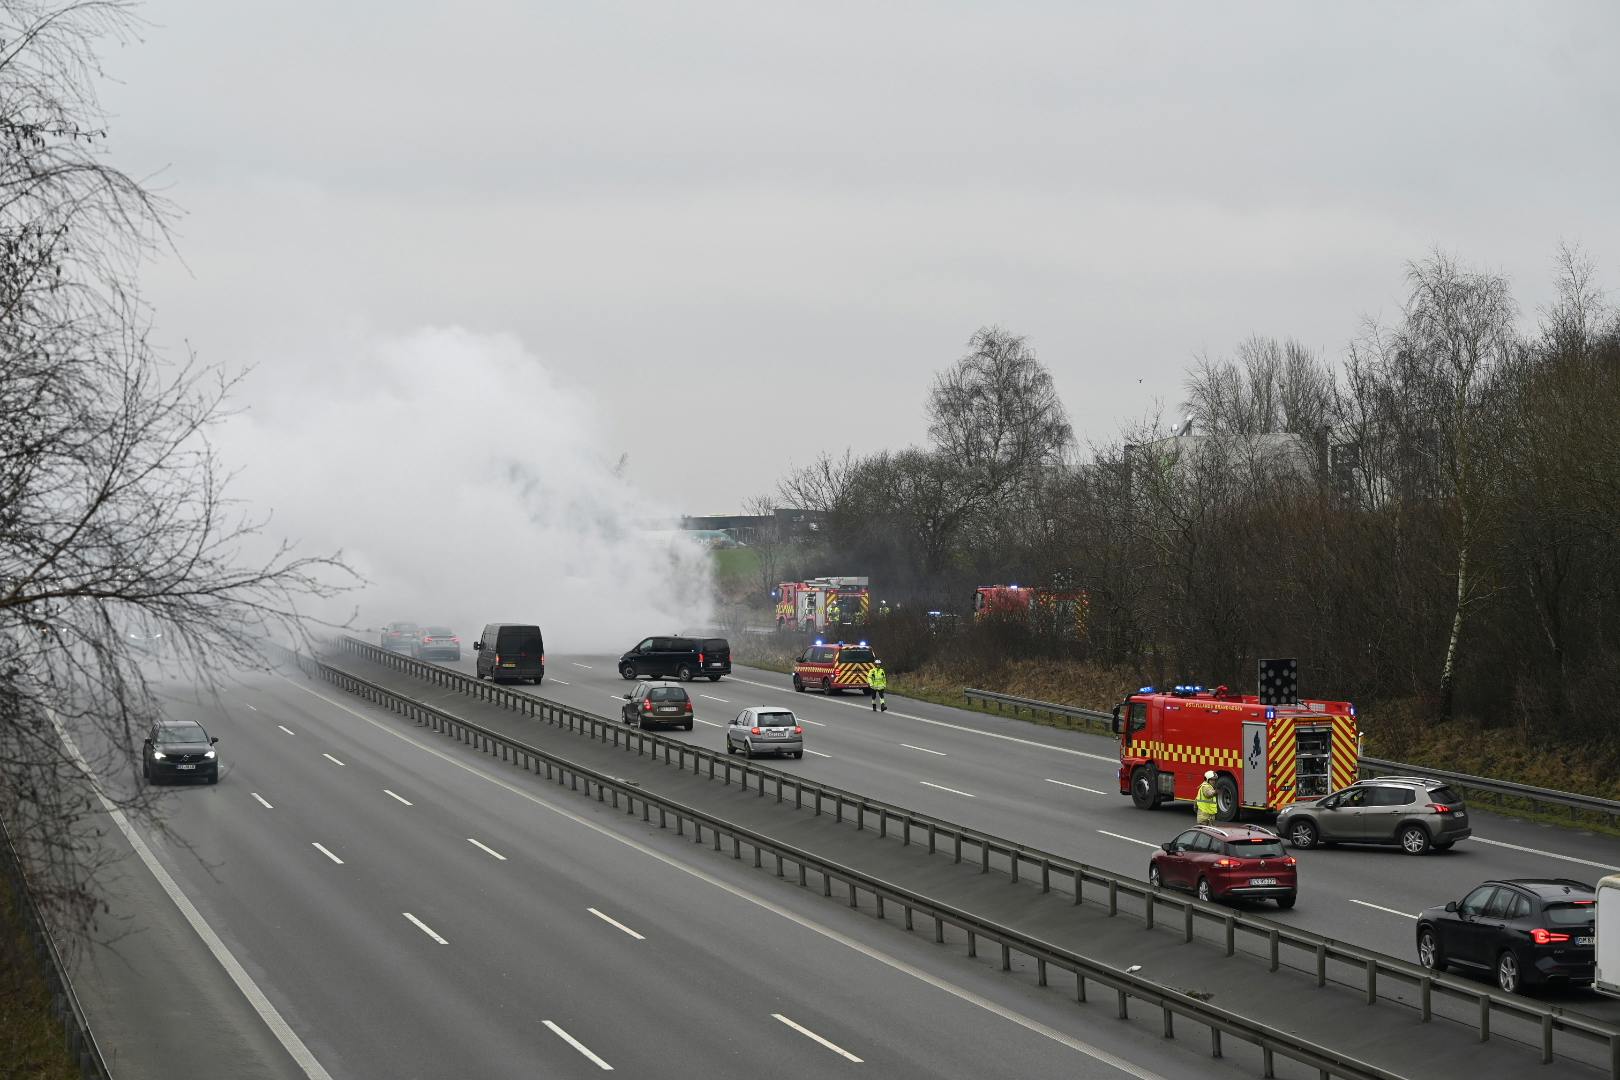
1461 815
508 665
769 734
717 665
666 709
185 766
1585 940
1262 881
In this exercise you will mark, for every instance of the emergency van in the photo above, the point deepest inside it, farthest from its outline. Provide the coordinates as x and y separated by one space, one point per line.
1264 757
834 667
1607 978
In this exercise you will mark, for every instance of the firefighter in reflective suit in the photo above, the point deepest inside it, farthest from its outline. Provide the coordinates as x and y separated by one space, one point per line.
1206 799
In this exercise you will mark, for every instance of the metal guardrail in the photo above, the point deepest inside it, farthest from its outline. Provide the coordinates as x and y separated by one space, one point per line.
607 789
81 1043
1569 800
1375 971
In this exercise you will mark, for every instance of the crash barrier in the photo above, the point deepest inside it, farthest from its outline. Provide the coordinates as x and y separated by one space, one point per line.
1569 801
1381 975
65 1006
1088 974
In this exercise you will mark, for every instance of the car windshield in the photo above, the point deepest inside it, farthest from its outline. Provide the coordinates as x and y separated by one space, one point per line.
1569 914
440 631
667 693
1444 796
521 642
774 719
1257 848
169 734
856 656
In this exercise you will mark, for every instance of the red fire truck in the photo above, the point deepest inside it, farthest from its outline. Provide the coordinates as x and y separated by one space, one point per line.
1060 612
823 605
1265 757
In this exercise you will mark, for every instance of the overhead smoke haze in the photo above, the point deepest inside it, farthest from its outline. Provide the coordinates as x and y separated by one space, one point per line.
467 485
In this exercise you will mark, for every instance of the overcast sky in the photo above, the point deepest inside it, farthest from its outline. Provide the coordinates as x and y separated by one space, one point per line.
743 233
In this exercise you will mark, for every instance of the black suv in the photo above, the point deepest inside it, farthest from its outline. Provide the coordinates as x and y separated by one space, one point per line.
511 651
179 750
682 658
1524 930
657 703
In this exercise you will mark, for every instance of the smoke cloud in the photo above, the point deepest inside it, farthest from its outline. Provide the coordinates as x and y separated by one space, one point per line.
467 485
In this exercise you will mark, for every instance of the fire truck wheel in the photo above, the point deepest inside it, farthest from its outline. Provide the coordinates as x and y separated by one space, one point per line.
1226 799
1145 787
826 686
1302 834
684 673
627 671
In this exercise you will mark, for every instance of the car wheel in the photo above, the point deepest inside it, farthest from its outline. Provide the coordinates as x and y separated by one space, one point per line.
1145 788
1428 946
798 753
688 725
826 687
1204 891
1414 840
748 749
714 678
1286 902
684 673
627 671
798 686
213 777
1507 971
1226 799
1303 834
1153 876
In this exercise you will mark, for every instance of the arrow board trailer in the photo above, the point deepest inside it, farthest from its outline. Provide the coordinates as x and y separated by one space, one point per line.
1607 979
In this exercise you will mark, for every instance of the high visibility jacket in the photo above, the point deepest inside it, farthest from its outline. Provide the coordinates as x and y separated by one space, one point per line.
878 679
1206 803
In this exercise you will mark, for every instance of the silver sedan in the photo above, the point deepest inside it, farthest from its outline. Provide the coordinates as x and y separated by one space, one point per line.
765 731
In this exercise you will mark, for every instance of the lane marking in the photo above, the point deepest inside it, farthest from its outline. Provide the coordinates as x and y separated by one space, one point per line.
893 963
1077 787
804 720
1380 907
924 749
576 663
711 723
486 847
711 697
958 727
577 1045
254 708
262 803
424 927
244 982
807 1033
1539 851
401 798
1130 839
285 728
818 753
616 697
332 759
322 849
952 790
559 682
611 921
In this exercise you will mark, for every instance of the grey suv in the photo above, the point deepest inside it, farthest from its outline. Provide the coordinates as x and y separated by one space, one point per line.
1415 813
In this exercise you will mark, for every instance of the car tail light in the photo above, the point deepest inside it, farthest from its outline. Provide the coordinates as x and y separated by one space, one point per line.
456 640
542 659
1440 808
753 731
497 658
1290 861
688 706
797 730
1226 862
427 641
646 704
700 659
1547 937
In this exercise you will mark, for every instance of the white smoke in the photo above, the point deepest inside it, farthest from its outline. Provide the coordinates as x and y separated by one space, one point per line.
467 486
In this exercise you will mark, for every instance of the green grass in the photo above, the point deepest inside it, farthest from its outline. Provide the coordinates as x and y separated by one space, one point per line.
32 1041
736 571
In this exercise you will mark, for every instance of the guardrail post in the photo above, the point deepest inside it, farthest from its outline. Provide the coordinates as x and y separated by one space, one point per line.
1124 1011
1214 1042
1040 972
973 943
1079 884
1147 904
1017 858
883 823
860 817
1372 981
1079 986
1231 937
939 930
1169 1023
1425 997
958 847
1321 963
930 838
905 831
1046 875
1113 897
1268 1063
1546 1038
1484 1018
984 855
1187 912
838 808
736 847
907 908
1274 941
878 897
1006 957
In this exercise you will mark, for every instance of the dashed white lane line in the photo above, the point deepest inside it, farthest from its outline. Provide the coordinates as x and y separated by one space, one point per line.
1077 787
332 759
1380 907
711 723
322 849
818 753
1128 839
285 728
576 663
401 798
486 848
424 927
952 790
806 720
253 707
611 921
807 1033
1541 851
711 697
559 682
577 1045
924 749
262 803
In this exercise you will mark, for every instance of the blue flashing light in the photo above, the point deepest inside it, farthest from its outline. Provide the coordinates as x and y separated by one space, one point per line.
1012 586
1271 714
863 644
818 641
1352 712
1145 690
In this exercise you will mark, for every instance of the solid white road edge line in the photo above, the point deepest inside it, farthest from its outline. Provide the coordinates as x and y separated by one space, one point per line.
711 723
924 749
333 760
1380 907
803 720
711 697
818 753
577 1045
1543 851
485 847
611 921
262 803
1077 787
1096 1053
424 927
285 728
807 1033
1131 839
952 790
244 982
322 849
401 798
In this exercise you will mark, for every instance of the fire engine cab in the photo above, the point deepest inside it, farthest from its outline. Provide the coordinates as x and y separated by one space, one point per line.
1265 757
834 667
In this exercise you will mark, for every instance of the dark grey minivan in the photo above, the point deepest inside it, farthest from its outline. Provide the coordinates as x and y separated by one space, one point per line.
511 651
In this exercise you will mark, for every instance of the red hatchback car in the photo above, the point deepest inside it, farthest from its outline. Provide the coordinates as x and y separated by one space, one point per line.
1226 862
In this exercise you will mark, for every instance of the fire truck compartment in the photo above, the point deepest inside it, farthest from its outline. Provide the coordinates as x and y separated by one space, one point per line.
1314 762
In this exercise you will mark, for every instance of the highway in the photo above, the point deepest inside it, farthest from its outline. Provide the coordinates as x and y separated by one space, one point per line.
413 910
1057 790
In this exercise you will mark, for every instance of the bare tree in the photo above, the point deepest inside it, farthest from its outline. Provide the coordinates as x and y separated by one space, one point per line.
769 541
114 511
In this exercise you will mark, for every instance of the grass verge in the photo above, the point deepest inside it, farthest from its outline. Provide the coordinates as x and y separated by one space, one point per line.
32 1042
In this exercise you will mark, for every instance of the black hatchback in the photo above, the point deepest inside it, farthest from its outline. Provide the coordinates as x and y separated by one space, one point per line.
179 750
1525 931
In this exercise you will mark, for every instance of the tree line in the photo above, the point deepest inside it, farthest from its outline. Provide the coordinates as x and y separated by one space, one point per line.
1433 515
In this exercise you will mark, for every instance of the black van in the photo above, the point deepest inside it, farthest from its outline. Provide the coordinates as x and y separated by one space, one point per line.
511 651
678 657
